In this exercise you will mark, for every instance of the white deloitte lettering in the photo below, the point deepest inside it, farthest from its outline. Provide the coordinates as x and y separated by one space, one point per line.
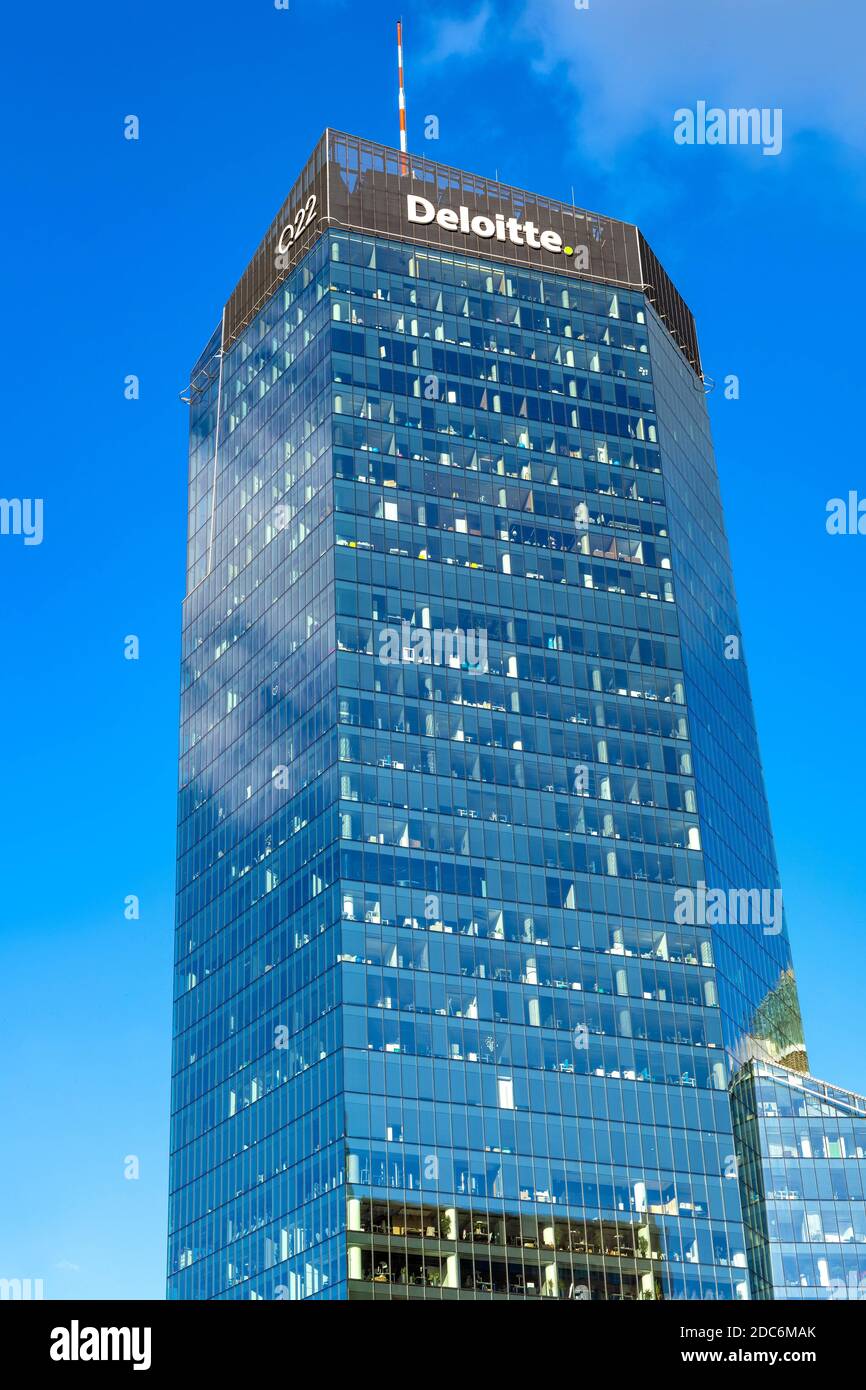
496 228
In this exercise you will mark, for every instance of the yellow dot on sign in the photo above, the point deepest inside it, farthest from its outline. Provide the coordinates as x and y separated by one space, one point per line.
569 250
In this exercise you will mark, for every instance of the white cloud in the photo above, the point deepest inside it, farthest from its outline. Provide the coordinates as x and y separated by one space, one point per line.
632 63
460 38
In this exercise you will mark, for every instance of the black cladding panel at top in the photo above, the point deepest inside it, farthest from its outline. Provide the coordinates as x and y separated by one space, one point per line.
357 185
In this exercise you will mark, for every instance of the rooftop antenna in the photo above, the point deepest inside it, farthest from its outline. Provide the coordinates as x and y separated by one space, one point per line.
404 163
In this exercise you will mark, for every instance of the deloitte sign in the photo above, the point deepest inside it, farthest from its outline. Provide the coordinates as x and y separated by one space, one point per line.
495 228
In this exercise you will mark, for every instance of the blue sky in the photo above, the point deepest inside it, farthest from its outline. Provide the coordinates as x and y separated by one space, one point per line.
119 257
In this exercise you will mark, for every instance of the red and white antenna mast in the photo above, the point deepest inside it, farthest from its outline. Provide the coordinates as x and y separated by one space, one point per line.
404 163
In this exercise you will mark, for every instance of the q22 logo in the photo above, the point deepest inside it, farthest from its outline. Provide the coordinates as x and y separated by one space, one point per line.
292 230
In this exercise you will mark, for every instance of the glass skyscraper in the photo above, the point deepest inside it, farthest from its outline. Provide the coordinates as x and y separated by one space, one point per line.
478 908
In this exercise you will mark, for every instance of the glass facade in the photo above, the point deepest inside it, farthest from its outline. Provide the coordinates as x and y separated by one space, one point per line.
802 1147
257 1111
459 738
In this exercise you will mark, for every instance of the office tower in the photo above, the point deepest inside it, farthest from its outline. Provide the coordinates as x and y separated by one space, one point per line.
802 1148
478 904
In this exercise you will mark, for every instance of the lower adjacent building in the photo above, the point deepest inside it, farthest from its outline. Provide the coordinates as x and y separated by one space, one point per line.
801 1145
